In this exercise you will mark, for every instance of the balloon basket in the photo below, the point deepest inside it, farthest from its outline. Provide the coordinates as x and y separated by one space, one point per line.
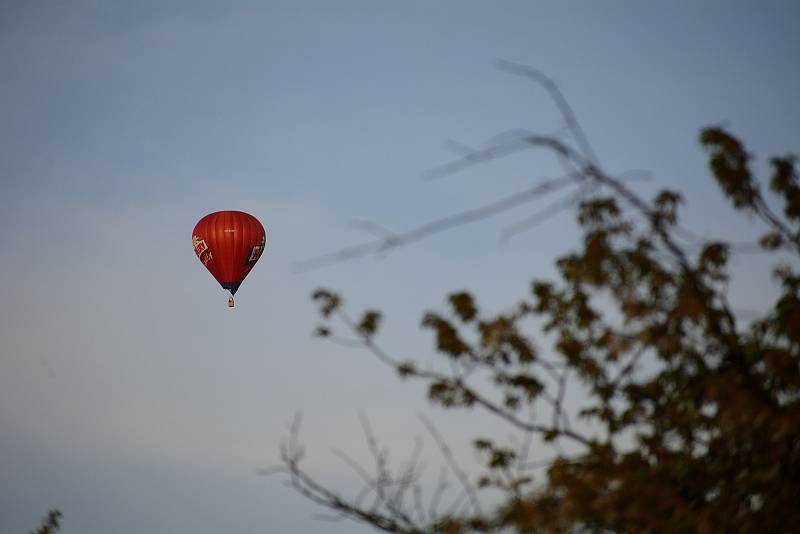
230 302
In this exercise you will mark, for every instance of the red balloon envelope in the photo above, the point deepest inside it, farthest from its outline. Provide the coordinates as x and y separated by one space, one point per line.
229 243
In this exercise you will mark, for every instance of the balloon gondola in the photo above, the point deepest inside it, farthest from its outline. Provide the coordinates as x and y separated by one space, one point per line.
229 243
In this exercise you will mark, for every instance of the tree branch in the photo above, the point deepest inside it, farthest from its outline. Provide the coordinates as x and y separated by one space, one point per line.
458 219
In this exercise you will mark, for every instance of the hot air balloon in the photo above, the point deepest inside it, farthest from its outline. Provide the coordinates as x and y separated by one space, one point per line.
229 243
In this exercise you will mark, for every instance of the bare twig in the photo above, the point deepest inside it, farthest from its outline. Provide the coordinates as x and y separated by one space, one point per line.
441 487
541 216
476 397
511 141
372 228
292 454
558 98
453 464
439 225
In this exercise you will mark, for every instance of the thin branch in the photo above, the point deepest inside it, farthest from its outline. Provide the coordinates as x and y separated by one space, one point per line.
540 216
383 478
439 225
355 466
344 342
408 477
475 397
441 487
768 216
470 157
453 464
459 501
417 490
558 98
372 228
560 419
292 453
458 148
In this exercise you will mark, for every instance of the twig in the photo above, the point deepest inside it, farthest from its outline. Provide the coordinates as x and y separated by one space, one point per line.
451 462
439 225
558 98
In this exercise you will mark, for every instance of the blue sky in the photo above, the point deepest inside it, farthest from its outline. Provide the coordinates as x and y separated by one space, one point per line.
130 396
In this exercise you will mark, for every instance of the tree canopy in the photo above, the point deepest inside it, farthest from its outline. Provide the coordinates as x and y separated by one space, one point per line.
690 416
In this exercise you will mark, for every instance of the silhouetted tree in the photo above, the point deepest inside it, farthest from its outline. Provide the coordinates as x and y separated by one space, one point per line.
690 419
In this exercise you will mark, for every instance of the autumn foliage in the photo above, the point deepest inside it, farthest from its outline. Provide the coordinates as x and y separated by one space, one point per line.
690 416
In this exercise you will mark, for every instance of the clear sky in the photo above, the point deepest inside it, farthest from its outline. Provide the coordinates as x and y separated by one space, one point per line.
131 397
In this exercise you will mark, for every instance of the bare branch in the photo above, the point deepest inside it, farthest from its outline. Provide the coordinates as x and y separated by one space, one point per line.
473 394
292 454
355 466
439 225
372 228
558 98
511 141
441 487
408 477
541 216
453 464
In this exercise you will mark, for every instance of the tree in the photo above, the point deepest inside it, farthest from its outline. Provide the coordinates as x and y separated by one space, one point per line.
691 418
